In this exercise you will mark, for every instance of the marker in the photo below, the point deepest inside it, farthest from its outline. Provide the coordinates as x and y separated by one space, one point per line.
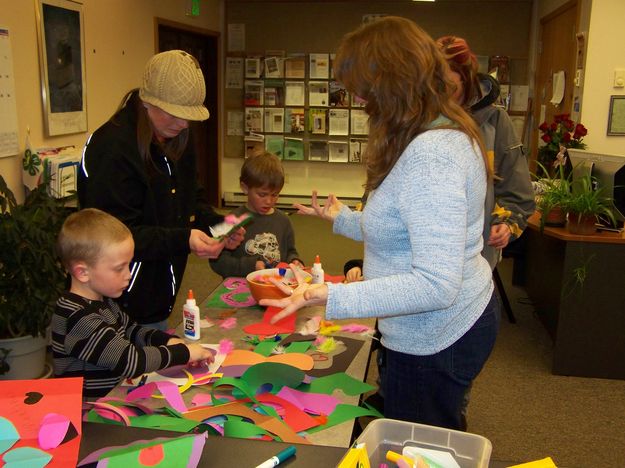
279 458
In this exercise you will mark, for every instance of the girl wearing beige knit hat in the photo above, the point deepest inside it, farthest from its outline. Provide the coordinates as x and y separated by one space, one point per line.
140 167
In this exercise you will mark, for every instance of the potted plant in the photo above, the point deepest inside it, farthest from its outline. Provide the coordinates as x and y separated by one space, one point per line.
585 205
553 193
31 278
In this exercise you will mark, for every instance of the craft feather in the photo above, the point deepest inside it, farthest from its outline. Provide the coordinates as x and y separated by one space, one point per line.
226 346
311 327
328 345
356 328
278 349
228 323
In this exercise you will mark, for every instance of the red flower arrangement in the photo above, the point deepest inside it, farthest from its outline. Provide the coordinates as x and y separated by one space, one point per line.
561 134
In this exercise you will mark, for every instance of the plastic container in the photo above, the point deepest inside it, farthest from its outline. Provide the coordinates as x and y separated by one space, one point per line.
381 435
191 318
318 276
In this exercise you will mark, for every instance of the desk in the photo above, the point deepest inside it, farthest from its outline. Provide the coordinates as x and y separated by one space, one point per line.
586 321
338 436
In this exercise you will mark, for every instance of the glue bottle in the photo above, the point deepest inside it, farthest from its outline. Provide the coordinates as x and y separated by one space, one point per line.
318 276
191 318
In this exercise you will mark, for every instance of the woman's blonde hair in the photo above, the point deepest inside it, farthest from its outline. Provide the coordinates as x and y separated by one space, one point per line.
400 71
86 233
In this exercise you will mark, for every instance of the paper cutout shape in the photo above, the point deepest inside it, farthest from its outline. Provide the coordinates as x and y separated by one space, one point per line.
265 328
179 451
167 389
344 413
243 430
26 457
32 398
316 403
234 292
340 380
273 373
8 434
240 357
297 419
55 429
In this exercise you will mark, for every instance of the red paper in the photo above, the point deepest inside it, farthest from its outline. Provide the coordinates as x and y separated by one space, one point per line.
265 328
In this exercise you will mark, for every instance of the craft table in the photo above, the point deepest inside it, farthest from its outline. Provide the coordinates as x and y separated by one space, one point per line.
337 436
218 451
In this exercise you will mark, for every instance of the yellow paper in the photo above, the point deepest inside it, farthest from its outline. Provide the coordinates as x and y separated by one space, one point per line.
356 457
544 463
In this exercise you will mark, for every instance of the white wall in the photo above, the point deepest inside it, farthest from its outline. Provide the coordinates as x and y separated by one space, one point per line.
606 51
119 39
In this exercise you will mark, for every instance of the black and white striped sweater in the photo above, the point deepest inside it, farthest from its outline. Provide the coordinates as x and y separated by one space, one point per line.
99 342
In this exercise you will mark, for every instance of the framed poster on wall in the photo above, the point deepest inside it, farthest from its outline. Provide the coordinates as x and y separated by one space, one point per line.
616 117
62 62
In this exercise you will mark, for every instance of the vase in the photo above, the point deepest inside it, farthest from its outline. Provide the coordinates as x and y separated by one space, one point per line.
555 217
582 225
26 359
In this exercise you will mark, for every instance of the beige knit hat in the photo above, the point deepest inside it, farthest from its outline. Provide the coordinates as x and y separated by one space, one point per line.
173 82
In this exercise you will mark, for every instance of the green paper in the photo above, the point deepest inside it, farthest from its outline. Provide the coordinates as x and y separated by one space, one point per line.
215 302
328 383
299 347
265 348
276 374
92 416
176 452
26 457
344 413
243 390
243 430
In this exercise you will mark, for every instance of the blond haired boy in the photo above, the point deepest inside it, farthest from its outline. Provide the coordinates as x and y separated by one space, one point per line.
91 336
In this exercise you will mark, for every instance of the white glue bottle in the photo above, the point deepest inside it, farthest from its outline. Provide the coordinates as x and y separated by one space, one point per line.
318 276
191 318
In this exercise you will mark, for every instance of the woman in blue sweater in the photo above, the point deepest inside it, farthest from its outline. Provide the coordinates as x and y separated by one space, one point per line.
422 225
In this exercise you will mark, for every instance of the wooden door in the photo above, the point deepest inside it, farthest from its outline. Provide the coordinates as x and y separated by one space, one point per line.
204 46
557 51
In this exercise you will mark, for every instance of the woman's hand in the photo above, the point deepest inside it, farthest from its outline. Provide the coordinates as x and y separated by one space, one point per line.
499 235
199 354
303 295
204 246
328 211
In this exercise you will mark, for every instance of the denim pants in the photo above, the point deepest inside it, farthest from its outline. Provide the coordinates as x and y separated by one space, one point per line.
162 325
430 389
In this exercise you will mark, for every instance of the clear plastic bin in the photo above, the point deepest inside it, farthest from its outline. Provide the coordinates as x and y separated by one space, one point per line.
381 435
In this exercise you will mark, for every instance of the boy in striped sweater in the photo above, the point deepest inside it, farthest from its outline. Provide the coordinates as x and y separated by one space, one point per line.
91 336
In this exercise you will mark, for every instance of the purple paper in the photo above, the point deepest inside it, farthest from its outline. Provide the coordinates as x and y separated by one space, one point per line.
316 403
168 389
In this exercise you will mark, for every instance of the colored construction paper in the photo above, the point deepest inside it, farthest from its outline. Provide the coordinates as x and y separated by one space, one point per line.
8 434
111 412
266 328
341 381
297 337
235 371
299 347
241 357
265 348
167 389
243 430
180 451
337 361
276 374
25 403
315 403
54 428
166 423
233 292
297 419
26 457
344 413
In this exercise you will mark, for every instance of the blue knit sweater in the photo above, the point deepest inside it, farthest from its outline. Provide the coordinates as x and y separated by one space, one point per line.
422 229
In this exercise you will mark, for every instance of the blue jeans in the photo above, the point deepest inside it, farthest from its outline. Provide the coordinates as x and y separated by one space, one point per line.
430 389
162 325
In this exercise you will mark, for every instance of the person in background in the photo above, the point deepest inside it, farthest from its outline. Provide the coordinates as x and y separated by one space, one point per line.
140 166
512 203
91 336
269 238
424 276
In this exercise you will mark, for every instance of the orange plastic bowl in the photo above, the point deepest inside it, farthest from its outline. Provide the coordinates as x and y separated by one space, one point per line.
261 288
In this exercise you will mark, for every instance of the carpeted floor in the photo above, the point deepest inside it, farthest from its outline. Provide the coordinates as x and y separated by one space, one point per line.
525 411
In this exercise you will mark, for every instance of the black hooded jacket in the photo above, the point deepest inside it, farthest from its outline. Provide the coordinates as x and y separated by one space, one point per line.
159 207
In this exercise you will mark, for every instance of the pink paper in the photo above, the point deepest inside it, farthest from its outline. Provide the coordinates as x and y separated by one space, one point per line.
229 323
316 403
168 389
114 413
52 431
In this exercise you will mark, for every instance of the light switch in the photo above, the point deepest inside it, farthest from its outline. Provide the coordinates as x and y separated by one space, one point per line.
619 78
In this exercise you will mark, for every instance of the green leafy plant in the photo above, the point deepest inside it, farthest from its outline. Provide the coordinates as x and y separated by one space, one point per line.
31 278
587 199
553 191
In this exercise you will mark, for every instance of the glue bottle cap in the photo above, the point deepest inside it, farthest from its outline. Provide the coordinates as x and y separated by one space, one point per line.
317 259
190 297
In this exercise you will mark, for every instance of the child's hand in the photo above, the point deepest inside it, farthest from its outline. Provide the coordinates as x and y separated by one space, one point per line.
297 262
354 274
174 340
260 265
199 354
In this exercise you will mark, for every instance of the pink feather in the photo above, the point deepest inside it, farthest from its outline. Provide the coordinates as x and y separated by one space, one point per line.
226 346
228 323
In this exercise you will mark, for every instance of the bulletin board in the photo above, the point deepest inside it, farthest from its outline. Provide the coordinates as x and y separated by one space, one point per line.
9 145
